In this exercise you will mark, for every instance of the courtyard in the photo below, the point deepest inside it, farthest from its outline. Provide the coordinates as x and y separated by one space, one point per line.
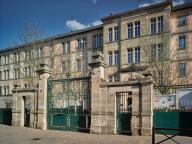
23 135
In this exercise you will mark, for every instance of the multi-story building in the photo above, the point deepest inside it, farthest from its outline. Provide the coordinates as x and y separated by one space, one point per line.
131 43
67 53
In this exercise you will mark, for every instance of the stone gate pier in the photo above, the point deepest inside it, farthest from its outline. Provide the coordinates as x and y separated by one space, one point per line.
106 103
30 104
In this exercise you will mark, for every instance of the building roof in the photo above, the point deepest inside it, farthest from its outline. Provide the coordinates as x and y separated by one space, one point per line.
182 6
59 36
156 5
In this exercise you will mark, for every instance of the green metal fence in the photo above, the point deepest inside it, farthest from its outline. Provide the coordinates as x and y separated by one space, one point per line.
182 120
69 104
5 116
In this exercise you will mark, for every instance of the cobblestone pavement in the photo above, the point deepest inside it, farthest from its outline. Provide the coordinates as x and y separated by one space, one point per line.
15 135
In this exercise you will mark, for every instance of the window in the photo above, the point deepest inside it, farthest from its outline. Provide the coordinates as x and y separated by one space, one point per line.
0 75
182 41
160 50
97 41
130 30
16 57
116 33
78 65
153 25
5 90
110 34
110 58
110 78
6 59
137 55
116 57
1 90
153 51
137 29
39 52
116 77
182 69
182 20
16 73
6 75
27 72
160 77
130 55
28 54
82 43
66 47
160 24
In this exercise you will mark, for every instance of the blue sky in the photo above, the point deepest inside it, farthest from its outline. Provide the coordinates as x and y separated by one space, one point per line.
58 16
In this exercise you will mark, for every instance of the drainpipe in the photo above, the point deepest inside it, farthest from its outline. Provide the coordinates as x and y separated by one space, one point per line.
37 103
119 49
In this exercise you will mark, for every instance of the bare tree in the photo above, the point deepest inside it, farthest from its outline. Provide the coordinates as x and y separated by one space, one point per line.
163 63
30 51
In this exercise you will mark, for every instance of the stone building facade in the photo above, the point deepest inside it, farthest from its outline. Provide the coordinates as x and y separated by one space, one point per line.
115 54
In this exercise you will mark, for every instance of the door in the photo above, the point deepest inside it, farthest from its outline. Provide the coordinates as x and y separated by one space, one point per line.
123 112
26 112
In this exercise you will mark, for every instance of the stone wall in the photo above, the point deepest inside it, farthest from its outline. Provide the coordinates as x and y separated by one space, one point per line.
103 97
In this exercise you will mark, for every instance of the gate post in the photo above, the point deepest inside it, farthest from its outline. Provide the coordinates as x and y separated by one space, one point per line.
44 73
97 76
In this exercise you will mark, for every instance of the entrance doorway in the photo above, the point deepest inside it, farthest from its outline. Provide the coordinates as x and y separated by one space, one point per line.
26 112
123 112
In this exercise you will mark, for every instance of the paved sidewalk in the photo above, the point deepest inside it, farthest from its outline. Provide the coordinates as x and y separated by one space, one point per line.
15 135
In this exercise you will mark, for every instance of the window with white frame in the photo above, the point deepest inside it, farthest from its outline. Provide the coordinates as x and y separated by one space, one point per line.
6 75
66 47
182 41
97 41
182 20
16 73
153 26
116 59
130 55
159 51
137 55
81 43
116 28
110 53
153 51
78 65
137 29
66 66
182 69
1 91
6 59
110 78
160 24
0 75
110 34
39 52
116 77
130 30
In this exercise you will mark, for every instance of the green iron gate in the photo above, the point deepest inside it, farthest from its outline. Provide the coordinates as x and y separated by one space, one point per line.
69 104
124 112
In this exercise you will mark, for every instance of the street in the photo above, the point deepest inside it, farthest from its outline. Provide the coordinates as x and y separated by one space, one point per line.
17 135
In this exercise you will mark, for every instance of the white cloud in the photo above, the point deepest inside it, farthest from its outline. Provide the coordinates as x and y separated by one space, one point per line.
94 1
178 2
98 22
75 25
144 4
175 2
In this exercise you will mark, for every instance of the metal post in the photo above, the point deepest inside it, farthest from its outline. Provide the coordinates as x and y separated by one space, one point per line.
68 91
153 135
